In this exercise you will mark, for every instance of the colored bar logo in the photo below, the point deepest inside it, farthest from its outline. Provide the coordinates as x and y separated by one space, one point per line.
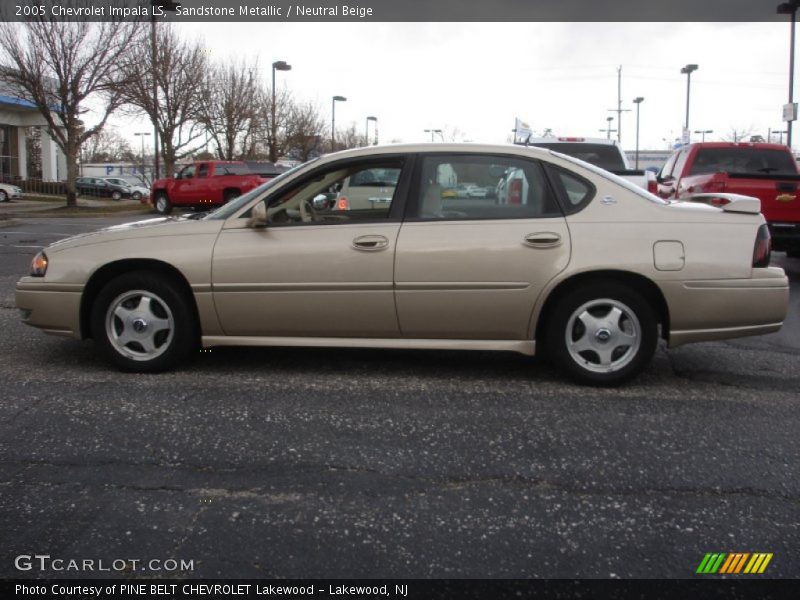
734 563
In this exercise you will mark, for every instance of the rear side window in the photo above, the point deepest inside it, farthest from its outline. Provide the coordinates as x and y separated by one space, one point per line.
470 187
743 160
575 191
232 169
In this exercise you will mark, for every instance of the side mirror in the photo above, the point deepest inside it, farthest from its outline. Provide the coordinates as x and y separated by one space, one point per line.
258 216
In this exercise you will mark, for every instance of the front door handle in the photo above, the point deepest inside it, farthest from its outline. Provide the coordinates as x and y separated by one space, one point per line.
371 243
543 239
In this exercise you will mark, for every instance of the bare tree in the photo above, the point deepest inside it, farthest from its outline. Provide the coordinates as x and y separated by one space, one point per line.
737 135
305 129
61 67
108 146
349 138
231 97
180 69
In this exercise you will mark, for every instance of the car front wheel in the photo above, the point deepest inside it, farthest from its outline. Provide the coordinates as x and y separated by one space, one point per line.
602 334
137 196
143 322
162 204
3 196
115 195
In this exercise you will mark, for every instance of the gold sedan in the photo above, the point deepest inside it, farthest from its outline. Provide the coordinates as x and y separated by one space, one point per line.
576 264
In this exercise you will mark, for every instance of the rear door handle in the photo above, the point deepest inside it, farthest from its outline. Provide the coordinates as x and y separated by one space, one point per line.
543 239
371 243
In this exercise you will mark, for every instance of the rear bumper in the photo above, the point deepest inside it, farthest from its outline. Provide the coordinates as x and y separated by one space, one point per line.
727 308
53 308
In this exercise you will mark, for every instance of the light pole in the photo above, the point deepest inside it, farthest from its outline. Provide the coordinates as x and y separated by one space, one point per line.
165 6
279 65
333 120
432 131
142 135
780 134
703 132
790 8
637 101
366 134
688 70
608 129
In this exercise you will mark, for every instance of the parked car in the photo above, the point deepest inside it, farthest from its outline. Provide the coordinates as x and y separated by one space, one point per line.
587 269
367 189
204 184
100 187
9 192
137 192
767 171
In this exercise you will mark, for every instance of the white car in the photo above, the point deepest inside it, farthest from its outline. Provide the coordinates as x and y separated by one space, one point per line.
8 192
137 191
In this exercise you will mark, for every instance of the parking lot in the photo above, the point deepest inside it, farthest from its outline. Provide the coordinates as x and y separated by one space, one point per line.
289 462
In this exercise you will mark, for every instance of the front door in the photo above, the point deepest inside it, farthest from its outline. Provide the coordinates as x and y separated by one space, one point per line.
314 270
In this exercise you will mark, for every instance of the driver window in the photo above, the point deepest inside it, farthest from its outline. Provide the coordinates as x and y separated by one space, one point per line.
187 173
344 193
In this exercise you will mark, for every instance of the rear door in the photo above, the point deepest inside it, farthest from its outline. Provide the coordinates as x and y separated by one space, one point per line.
472 268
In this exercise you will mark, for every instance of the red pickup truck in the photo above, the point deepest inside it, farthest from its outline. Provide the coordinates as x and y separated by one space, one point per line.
765 171
204 184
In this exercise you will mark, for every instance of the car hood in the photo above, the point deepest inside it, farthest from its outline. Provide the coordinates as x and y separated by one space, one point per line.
148 228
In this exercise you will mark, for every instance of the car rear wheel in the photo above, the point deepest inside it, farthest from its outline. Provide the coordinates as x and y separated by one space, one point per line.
162 204
230 195
602 334
3 196
143 323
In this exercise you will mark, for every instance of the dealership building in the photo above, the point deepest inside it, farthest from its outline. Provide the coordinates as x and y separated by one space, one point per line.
26 149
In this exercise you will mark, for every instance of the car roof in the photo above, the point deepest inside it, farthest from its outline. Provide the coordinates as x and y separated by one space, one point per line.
444 148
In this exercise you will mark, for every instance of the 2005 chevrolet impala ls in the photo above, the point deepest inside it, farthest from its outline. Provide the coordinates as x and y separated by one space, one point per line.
370 248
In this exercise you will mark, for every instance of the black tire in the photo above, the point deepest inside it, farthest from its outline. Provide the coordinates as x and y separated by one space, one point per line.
116 195
162 204
229 195
793 252
137 196
168 305
603 335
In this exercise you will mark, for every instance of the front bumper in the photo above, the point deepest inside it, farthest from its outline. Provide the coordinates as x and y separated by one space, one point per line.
54 308
726 308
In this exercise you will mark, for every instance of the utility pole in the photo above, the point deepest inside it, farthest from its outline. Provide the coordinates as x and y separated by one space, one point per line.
619 110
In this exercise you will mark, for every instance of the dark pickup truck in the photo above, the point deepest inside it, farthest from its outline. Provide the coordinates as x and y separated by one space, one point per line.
765 171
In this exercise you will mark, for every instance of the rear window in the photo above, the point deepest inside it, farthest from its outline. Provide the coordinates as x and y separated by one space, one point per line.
605 156
756 161
233 169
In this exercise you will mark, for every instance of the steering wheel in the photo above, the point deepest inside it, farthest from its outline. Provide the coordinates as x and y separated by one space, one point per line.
307 212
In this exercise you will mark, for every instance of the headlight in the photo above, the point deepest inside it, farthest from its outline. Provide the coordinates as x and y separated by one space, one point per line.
39 265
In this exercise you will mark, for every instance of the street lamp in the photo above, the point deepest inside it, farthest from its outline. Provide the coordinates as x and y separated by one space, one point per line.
790 8
608 129
432 131
637 101
688 70
165 6
280 65
142 134
333 120
703 132
366 134
780 134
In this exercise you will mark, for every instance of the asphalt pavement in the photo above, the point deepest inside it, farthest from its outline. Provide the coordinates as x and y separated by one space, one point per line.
289 462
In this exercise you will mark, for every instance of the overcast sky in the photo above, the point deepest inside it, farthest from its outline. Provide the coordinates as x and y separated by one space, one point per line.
479 76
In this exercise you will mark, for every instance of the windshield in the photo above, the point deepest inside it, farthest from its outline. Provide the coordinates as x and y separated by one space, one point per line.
621 181
229 209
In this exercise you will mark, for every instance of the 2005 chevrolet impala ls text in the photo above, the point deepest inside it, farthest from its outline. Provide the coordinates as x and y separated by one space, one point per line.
570 262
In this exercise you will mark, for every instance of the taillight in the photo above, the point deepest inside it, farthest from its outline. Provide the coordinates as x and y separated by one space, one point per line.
718 202
343 203
652 186
762 247
515 191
